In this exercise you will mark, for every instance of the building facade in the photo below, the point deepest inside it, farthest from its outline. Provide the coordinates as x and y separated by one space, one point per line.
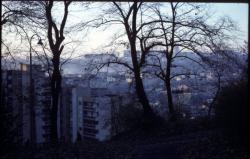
18 91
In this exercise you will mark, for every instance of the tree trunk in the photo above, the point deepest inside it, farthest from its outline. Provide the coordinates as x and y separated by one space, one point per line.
55 90
148 113
215 97
55 38
169 93
131 34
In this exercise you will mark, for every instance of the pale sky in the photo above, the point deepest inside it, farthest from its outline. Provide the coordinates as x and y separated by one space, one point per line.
96 38
237 11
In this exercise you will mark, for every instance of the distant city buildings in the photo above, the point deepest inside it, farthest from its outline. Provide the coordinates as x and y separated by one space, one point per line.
90 102
86 113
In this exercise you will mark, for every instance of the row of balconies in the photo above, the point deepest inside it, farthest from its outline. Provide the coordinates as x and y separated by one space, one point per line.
90 126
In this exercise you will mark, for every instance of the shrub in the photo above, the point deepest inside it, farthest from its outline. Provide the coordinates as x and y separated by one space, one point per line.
131 117
231 108
126 118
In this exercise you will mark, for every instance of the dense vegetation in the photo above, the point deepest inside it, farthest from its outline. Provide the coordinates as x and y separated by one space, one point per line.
231 109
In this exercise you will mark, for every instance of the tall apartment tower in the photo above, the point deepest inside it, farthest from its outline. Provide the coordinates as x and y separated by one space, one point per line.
13 102
17 87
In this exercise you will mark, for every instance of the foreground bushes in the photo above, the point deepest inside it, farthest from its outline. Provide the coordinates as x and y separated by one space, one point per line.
231 109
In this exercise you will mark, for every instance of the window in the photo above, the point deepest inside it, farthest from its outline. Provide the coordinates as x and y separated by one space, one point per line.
87 121
90 131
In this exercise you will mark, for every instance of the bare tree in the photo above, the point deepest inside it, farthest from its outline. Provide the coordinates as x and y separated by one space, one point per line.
55 36
227 67
186 27
35 19
128 17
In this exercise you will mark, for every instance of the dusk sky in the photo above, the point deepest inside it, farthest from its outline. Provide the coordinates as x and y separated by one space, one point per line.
96 38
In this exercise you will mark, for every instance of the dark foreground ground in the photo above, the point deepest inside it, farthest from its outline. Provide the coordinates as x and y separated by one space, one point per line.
196 139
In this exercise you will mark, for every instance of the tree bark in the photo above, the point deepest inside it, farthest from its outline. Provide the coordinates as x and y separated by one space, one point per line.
56 48
169 92
131 34
215 97
148 113
168 70
55 88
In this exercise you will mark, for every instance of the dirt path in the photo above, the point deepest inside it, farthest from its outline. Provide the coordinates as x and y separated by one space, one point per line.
168 149
157 151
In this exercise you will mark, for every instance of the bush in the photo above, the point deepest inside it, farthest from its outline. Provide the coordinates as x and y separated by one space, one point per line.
231 109
131 117
126 118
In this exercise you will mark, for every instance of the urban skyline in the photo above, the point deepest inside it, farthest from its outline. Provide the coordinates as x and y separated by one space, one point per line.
116 80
